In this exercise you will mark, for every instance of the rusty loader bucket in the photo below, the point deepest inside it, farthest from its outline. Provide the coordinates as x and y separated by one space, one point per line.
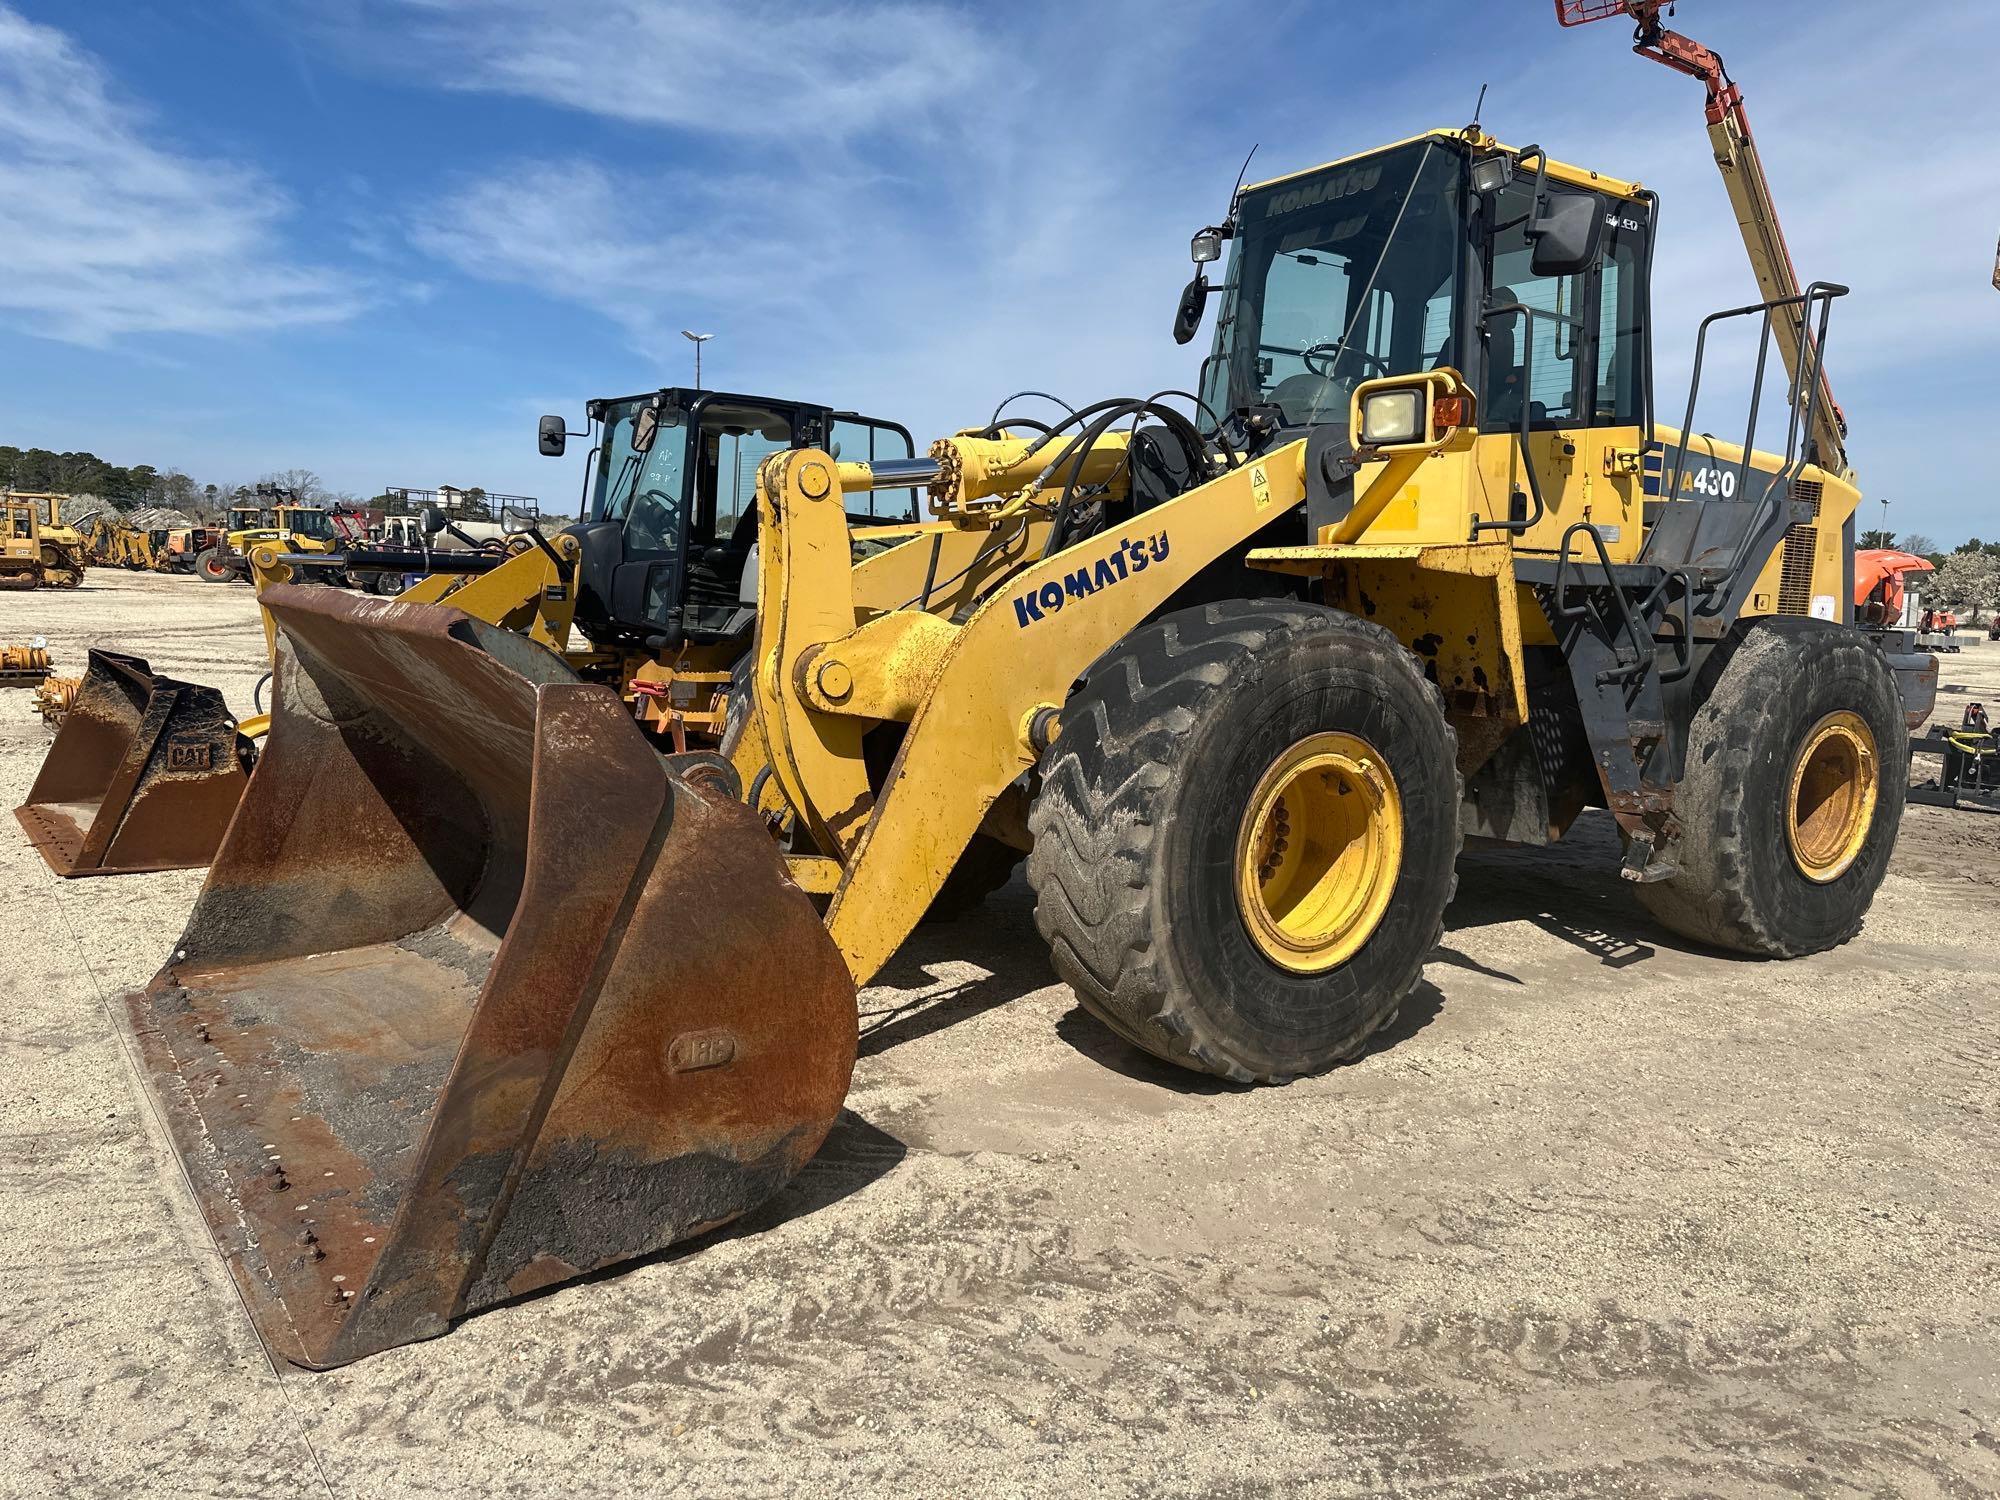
478 996
144 774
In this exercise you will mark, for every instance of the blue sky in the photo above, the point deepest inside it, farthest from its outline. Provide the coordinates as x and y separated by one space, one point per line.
375 238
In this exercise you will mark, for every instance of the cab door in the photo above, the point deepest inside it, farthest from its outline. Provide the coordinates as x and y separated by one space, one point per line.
1573 361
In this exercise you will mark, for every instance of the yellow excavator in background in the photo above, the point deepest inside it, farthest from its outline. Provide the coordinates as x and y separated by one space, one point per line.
483 992
114 543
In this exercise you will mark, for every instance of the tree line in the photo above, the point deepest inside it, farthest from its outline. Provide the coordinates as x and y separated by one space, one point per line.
89 477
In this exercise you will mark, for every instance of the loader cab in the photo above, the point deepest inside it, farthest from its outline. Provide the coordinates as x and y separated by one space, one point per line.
670 518
1440 252
306 521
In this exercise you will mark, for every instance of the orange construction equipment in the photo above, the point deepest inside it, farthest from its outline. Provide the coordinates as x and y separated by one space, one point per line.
1879 574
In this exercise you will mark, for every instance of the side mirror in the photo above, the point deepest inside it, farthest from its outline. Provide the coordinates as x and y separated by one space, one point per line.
552 436
1194 299
433 521
645 427
1566 234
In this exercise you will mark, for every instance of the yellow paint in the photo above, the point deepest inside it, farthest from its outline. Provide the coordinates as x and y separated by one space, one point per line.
1480 142
1830 809
1318 851
967 740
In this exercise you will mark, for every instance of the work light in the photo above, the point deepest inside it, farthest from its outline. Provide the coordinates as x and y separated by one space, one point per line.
1393 417
1492 173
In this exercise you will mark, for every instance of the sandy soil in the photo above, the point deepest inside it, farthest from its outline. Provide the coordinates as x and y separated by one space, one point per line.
1600 1216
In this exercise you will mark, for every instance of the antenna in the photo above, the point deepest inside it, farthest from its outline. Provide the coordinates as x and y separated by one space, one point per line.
1240 171
1480 107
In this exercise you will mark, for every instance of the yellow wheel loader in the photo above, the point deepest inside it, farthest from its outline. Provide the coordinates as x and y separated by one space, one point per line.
279 518
482 993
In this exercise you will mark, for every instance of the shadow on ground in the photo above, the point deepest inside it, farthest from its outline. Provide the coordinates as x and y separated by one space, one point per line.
854 1155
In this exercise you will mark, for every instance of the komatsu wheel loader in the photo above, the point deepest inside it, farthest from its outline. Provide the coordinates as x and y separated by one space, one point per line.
483 994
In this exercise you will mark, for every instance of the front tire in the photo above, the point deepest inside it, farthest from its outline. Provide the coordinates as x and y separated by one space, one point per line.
1245 837
1798 762
210 567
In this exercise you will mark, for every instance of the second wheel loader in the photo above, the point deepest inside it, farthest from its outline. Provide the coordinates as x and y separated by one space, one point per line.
482 994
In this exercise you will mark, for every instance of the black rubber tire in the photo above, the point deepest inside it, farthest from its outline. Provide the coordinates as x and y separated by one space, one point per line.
984 866
1736 885
1161 745
206 568
736 712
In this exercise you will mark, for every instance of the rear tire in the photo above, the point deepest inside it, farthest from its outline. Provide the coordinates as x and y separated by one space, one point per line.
1149 874
1797 766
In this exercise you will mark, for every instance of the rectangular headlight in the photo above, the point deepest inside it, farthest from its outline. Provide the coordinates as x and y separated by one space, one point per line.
1392 417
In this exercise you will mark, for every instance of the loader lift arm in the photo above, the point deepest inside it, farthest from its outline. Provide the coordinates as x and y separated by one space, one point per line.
1742 168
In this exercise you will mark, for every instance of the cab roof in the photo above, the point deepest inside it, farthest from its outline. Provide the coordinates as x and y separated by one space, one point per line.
1475 139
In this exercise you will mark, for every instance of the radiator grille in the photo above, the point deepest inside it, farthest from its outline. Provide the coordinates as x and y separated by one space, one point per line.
1795 579
1809 490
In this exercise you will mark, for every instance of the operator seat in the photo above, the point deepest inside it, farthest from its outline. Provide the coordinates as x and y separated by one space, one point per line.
1506 386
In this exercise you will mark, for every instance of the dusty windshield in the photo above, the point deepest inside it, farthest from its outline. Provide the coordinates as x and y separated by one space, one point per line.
1337 278
312 523
624 474
646 491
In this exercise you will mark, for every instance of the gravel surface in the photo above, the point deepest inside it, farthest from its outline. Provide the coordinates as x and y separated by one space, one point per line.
1600 1215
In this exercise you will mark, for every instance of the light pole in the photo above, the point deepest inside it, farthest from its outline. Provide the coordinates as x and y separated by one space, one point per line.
697 339
1888 537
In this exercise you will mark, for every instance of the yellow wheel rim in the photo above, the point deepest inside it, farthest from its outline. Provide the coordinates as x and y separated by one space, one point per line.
1832 802
1318 852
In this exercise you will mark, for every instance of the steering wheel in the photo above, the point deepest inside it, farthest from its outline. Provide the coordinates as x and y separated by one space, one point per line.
1325 353
654 538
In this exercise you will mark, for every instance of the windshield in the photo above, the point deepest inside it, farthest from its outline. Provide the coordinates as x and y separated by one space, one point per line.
624 475
1337 278
312 523
646 491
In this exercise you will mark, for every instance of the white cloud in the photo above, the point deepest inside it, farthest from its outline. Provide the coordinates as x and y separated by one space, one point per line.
751 68
916 208
880 250
112 234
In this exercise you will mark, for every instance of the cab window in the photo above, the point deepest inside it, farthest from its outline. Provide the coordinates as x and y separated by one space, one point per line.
858 440
1533 358
1545 358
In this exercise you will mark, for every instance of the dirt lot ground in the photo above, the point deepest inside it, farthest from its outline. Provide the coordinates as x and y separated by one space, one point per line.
1600 1216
